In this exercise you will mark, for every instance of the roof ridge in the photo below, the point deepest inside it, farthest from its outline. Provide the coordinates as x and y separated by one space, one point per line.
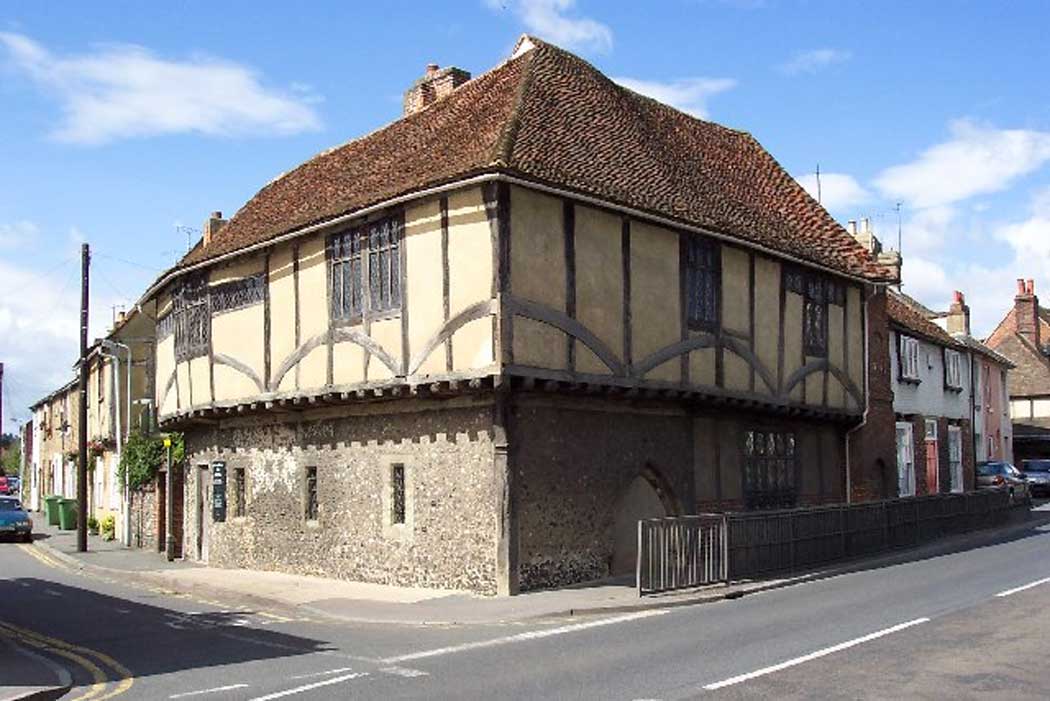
505 144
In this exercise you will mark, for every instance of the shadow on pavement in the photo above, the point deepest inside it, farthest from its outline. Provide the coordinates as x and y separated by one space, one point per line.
61 623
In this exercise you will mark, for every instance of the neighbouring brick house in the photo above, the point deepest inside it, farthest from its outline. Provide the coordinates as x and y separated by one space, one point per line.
932 387
474 347
1022 337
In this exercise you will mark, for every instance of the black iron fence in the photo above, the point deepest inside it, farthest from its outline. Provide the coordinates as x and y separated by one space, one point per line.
689 551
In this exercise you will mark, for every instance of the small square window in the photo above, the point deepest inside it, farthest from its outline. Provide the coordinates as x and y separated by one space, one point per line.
397 490
311 494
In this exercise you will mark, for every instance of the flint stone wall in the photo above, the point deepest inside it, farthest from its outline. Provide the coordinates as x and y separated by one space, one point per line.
448 541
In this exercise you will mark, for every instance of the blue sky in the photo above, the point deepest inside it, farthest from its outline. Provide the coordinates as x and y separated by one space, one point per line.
123 121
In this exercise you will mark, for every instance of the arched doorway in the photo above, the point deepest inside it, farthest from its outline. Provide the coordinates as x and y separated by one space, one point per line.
647 496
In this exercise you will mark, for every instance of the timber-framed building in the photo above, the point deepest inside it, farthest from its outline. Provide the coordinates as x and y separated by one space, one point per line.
472 348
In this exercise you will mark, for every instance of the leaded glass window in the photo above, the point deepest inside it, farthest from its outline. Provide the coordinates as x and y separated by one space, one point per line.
770 470
365 270
192 319
703 283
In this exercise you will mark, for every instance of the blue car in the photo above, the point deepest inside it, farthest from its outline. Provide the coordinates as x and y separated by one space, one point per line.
14 520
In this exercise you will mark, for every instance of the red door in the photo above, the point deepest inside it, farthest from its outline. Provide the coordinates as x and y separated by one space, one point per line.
931 466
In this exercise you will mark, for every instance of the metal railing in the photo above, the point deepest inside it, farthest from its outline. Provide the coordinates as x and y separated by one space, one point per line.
681 552
690 551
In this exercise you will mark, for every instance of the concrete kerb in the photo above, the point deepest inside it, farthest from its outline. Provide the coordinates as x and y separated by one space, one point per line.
694 597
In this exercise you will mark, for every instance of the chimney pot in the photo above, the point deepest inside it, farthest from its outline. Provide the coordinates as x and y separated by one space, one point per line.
1020 286
851 226
432 68
216 215
865 225
1030 286
212 226
959 315
959 297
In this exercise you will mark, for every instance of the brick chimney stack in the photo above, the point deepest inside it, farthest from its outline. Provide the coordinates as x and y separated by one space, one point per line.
1026 312
212 226
959 315
435 84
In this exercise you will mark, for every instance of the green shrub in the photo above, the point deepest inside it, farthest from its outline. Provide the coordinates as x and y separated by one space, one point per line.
143 456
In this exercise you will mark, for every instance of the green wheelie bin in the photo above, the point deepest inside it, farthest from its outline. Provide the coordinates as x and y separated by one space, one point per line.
51 509
67 514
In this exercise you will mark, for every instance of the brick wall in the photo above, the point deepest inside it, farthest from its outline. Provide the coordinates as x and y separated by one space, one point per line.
873 455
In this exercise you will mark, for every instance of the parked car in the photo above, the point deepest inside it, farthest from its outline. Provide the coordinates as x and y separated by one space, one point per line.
4 486
1037 472
1003 475
14 484
14 520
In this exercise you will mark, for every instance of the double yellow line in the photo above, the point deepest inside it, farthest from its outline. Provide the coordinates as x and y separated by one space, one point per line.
41 556
92 661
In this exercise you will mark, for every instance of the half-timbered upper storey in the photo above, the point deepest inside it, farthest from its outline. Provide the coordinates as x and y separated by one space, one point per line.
539 221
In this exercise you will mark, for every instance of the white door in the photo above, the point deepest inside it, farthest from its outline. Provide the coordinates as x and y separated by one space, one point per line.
955 457
905 460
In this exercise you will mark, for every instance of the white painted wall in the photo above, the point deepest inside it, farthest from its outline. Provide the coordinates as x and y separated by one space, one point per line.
929 397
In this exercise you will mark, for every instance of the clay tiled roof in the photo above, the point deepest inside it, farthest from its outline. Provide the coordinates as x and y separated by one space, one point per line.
1031 373
911 319
548 116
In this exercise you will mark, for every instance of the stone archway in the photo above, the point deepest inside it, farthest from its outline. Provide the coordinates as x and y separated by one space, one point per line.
647 496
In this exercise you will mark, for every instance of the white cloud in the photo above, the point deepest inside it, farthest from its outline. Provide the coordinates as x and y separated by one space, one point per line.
688 94
838 191
121 91
39 331
976 160
551 20
813 61
18 234
931 276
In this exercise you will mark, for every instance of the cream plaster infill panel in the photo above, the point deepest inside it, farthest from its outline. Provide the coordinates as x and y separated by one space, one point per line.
702 367
736 299
282 307
655 305
239 335
313 288
231 385
182 377
537 249
387 333
423 299
469 250
792 333
472 345
767 314
236 269
836 393
836 337
599 276
737 372
815 388
539 345
348 363
588 363
200 376
313 369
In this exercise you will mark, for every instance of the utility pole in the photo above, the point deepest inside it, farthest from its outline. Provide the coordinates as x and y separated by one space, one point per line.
82 501
169 513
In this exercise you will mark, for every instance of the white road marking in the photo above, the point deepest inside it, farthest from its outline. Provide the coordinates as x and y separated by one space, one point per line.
404 672
1036 583
813 655
321 674
522 637
308 687
208 691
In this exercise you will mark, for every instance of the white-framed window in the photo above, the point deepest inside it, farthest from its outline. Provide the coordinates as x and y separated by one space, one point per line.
931 429
909 355
953 368
955 458
905 460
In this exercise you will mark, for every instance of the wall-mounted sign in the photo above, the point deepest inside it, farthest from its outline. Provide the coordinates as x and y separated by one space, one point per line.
218 491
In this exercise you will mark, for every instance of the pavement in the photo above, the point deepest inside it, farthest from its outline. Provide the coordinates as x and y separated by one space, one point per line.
966 620
360 602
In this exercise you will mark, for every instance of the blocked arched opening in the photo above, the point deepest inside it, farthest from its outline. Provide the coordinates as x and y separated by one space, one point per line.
647 496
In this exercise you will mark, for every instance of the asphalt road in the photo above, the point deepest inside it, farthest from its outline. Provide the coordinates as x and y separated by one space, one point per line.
926 628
